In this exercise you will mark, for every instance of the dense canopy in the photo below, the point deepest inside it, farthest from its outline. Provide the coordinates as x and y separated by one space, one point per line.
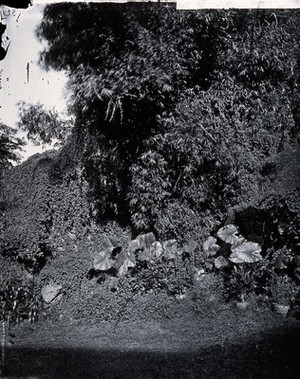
177 112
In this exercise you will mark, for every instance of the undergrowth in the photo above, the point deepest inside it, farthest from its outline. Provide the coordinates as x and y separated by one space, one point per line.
144 265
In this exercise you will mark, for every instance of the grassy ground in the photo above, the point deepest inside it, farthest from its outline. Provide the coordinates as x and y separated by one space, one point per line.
234 343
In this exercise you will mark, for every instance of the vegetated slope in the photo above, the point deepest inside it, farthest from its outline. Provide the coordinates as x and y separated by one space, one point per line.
202 135
46 226
48 230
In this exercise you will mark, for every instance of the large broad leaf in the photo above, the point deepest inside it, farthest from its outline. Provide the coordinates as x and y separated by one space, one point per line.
103 261
237 240
220 262
134 245
210 247
123 269
228 233
110 242
114 242
128 262
170 249
130 259
145 255
247 252
190 247
209 263
146 240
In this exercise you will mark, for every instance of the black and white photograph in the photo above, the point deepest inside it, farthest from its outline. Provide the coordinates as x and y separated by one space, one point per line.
150 189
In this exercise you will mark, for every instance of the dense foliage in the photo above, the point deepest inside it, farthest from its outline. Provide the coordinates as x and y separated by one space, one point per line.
10 145
181 120
42 125
177 112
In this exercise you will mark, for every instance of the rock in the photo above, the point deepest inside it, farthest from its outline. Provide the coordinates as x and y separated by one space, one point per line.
51 292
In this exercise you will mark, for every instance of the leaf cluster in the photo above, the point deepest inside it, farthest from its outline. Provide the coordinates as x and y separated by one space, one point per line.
10 145
42 125
249 269
149 265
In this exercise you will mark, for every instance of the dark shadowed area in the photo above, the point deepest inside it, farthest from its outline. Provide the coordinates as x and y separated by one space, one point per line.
274 355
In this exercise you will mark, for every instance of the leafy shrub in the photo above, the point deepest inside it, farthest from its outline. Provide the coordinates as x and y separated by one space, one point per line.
41 125
149 264
245 270
274 223
18 302
283 289
243 281
40 211
236 259
171 276
152 266
27 204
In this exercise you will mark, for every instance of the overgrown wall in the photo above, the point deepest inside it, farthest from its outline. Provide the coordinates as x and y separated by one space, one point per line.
46 224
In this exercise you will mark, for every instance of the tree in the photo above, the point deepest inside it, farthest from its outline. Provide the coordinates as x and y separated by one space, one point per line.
10 145
124 75
176 110
42 125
